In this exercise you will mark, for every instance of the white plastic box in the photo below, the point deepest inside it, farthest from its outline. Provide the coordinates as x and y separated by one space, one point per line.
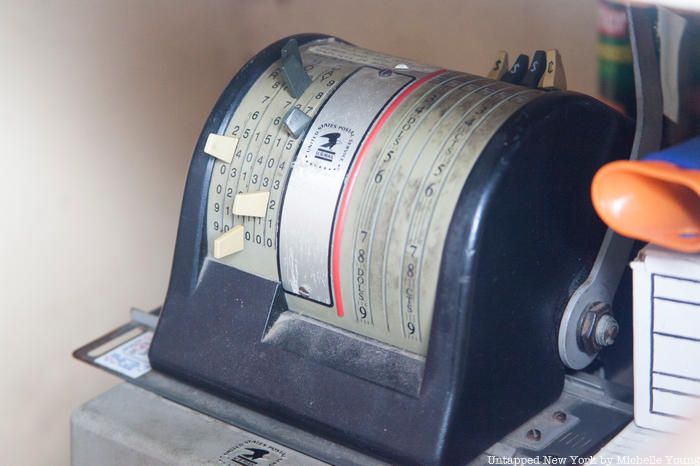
666 338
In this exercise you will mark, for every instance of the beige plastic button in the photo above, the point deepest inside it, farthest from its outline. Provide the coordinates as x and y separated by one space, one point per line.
500 66
221 147
230 242
554 75
253 204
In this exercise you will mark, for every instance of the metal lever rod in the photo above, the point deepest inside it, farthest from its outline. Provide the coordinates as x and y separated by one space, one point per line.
613 255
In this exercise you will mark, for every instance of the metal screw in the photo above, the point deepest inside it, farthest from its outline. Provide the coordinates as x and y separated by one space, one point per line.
606 330
597 328
385 73
559 416
534 434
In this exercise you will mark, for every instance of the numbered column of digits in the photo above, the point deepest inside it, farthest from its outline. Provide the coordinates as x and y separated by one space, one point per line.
263 159
391 140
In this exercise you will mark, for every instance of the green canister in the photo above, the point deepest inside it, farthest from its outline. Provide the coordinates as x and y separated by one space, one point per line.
615 73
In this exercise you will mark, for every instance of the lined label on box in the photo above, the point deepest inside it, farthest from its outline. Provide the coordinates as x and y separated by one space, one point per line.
675 339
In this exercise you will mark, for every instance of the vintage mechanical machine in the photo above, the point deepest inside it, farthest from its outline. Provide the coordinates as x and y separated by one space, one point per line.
385 261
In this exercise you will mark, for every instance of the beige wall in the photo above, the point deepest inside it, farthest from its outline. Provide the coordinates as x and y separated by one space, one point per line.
100 106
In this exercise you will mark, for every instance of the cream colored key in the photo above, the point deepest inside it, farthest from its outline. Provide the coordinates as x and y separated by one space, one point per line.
500 66
554 76
253 204
221 147
230 242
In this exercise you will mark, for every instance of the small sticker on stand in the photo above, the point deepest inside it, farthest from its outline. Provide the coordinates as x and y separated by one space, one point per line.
253 453
130 358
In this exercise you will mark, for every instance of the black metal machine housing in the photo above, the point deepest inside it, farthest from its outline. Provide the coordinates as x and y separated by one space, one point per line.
522 238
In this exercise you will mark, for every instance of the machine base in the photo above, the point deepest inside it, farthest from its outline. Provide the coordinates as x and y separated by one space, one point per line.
160 420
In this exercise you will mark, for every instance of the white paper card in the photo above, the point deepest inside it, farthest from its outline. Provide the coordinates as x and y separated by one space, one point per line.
130 358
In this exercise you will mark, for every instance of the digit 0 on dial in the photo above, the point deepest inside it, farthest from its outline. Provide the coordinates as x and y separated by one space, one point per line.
374 265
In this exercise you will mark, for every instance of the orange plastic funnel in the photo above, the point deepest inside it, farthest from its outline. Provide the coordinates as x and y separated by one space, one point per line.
655 202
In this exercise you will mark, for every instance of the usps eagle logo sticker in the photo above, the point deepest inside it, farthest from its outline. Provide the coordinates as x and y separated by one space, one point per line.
328 146
252 453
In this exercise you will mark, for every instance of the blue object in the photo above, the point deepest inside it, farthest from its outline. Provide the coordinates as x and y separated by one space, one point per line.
685 155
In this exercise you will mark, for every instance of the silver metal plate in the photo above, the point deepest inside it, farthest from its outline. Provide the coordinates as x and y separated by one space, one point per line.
317 178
